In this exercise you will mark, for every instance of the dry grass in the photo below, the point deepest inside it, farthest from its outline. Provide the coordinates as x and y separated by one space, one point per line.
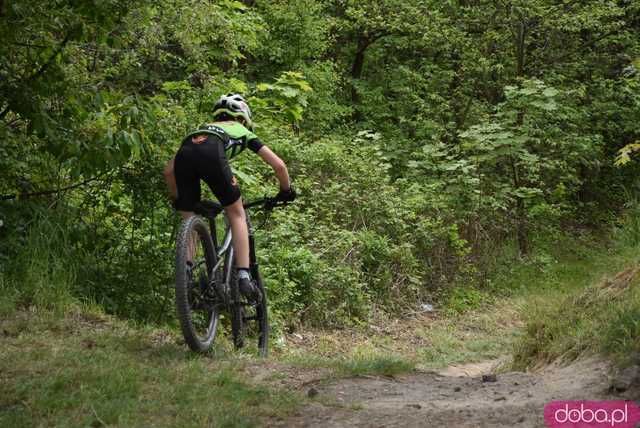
427 340
601 318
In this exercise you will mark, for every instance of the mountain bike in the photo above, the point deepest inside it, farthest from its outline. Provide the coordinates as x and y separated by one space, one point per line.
206 280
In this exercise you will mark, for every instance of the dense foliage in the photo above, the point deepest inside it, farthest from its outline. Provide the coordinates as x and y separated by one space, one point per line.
425 138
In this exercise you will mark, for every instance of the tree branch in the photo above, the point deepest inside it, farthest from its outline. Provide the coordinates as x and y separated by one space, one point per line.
28 45
42 68
53 191
585 46
53 56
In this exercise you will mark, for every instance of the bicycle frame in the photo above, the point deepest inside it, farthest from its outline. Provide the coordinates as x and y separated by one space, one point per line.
221 293
226 245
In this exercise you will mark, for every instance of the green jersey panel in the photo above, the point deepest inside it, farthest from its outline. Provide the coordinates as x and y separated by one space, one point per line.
235 136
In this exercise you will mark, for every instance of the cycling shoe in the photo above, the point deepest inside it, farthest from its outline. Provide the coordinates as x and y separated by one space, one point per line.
249 290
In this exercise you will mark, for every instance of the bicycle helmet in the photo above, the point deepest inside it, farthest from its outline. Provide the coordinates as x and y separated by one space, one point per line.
235 106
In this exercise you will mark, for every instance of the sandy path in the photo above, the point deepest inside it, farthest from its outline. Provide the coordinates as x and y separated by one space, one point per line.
455 397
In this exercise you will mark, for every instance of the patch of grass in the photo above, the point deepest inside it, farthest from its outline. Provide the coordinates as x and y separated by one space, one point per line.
463 298
385 365
9 299
470 337
565 314
564 263
600 318
622 334
351 364
429 341
358 358
85 371
42 271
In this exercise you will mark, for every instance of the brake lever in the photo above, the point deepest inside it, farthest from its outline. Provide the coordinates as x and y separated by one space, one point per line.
270 204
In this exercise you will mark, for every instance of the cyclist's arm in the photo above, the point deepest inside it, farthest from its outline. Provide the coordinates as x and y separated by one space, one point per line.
170 179
278 165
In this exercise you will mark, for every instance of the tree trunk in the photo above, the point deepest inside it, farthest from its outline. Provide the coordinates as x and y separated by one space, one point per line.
356 73
522 234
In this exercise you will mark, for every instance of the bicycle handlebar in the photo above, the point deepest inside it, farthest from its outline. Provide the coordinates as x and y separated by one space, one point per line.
212 209
266 202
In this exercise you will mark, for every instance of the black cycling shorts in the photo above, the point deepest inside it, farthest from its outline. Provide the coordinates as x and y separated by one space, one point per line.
204 160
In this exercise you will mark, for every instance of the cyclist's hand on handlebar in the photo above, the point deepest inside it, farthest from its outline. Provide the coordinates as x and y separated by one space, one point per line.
288 195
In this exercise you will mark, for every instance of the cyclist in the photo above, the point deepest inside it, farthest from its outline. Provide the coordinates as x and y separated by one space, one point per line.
204 155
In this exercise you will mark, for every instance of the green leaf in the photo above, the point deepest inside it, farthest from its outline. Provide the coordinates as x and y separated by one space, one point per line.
264 87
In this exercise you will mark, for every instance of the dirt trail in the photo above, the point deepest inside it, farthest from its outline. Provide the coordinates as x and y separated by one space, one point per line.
455 397
458 396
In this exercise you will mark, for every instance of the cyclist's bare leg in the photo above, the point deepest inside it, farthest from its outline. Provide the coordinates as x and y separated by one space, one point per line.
240 234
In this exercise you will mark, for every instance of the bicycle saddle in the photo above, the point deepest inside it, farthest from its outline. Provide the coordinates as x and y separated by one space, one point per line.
208 208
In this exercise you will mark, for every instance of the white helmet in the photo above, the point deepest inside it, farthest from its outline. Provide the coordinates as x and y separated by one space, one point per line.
235 106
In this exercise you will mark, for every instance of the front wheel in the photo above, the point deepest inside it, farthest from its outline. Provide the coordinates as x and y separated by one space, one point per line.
250 320
237 313
262 315
196 305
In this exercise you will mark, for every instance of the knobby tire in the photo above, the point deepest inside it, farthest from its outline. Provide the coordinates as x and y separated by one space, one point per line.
263 315
185 304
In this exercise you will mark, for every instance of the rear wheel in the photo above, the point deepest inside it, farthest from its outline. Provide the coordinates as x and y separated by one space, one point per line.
197 307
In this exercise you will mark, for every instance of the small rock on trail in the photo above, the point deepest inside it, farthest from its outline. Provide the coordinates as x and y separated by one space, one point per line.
489 378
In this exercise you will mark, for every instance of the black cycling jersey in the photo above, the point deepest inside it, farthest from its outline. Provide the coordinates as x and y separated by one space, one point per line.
204 155
236 137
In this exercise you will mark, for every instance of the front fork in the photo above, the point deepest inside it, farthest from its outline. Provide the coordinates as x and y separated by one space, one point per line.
253 261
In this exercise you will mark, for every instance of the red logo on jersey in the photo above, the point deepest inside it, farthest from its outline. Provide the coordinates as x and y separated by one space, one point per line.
199 139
